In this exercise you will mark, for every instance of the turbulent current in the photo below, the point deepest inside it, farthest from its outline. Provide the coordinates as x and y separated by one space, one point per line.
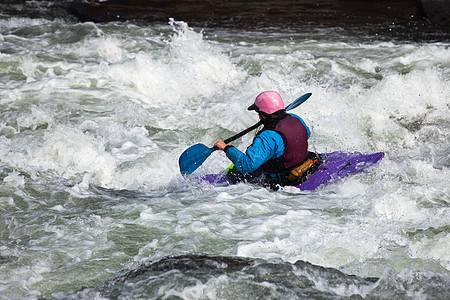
95 116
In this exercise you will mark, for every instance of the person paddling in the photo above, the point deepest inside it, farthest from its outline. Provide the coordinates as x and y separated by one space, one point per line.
279 153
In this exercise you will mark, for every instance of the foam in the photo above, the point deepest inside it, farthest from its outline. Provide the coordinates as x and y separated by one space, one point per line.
14 179
70 152
16 22
188 70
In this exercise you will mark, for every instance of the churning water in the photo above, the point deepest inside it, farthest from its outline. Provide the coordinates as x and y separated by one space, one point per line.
94 118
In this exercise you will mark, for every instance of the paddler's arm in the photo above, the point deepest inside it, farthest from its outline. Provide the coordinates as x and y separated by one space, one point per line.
265 146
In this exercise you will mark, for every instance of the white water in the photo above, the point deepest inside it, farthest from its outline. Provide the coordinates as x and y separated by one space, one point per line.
115 105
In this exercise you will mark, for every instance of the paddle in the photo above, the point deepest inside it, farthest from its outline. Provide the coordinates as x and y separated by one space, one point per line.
194 156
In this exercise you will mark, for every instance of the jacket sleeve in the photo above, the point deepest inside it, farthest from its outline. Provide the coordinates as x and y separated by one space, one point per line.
269 144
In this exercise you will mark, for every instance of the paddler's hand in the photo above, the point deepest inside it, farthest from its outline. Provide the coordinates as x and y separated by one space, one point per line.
220 145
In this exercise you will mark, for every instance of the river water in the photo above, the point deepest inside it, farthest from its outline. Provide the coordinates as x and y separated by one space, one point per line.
95 116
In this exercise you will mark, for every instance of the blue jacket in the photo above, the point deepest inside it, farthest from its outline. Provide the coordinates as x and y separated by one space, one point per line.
266 145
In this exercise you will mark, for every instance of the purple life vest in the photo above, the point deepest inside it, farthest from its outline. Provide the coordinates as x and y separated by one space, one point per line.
295 137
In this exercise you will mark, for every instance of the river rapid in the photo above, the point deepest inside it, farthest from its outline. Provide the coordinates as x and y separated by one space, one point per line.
95 116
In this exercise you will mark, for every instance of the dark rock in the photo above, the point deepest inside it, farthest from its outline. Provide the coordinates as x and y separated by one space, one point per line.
252 11
438 11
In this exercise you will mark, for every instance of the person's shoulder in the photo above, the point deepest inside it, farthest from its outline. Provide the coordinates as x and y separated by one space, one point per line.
294 115
268 135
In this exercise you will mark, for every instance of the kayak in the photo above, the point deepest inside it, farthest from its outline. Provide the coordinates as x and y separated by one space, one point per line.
334 165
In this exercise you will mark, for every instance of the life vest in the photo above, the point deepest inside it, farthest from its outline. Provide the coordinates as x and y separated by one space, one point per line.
295 137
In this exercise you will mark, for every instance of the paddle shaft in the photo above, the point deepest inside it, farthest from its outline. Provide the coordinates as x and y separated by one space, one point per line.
242 133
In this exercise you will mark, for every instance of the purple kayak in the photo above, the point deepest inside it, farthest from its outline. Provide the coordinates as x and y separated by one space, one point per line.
334 165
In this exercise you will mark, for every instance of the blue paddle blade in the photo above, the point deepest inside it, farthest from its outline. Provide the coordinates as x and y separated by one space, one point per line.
193 157
298 101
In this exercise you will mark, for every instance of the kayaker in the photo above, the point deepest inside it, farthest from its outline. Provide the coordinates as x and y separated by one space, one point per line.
279 153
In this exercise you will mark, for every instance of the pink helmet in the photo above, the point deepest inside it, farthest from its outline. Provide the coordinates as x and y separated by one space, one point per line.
267 102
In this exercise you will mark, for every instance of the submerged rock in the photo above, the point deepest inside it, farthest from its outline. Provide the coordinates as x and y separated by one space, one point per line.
220 277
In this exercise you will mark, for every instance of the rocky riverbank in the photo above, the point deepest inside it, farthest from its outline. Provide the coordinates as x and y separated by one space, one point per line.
267 11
